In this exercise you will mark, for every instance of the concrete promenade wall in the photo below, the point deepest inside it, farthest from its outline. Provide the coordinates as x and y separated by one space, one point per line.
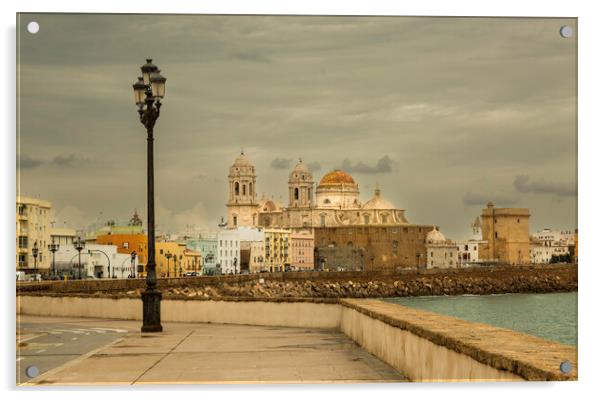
423 346
427 346
317 314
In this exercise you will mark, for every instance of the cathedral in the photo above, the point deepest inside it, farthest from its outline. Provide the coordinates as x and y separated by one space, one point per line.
334 202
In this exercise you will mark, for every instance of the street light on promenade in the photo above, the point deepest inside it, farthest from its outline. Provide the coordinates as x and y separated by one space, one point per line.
79 244
168 256
53 247
133 264
148 91
34 252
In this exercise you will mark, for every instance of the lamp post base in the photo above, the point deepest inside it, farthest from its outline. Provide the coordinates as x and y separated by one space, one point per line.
151 311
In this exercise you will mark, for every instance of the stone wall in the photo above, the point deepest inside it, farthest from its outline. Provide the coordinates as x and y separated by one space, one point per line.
476 281
386 248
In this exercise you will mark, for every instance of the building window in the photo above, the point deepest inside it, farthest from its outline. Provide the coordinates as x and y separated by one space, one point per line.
236 188
296 193
126 244
244 189
366 219
322 220
234 220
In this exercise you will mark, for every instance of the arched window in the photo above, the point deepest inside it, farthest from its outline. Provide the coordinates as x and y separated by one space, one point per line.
234 220
251 189
244 189
236 188
296 193
327 201
350 243
366 219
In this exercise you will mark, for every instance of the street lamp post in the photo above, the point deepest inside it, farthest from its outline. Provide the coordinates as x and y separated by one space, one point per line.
35 252
168 256
133 265
148 91
79 245
53 247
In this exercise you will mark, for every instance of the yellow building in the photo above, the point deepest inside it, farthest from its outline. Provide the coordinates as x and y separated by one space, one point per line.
170 259
33 228
506 232
277 243
193 261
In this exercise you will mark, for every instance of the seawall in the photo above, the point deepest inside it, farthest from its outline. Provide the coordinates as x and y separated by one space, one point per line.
423 346
476 281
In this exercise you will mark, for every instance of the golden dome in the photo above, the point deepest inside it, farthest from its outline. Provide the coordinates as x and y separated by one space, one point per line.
336 177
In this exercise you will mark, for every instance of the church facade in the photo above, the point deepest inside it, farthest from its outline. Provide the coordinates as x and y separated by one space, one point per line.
335 202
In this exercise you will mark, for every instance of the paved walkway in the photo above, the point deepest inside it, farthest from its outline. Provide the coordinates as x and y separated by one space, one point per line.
216 353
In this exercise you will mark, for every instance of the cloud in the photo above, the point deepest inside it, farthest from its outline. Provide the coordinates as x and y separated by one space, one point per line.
523 184
481 198
67 161
27 162
281 163
71 216
314 166
383 165
252 57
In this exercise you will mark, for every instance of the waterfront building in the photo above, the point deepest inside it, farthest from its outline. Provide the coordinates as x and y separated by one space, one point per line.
96 259
506 232
62 235
193 261
440 252
277 246
547 243
228 251
251 240
302 249
206 245
257 256
169 258
126 244
33 226
369 248
336 201
468 250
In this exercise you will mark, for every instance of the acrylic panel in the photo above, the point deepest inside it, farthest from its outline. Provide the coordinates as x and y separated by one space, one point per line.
274 199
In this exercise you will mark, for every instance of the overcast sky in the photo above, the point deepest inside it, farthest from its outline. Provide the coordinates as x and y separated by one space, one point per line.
444 114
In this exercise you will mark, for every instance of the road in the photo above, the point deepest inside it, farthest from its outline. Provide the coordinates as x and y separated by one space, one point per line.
47 346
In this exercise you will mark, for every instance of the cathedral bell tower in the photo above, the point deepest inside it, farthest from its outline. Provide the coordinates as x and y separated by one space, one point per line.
300 187
242 199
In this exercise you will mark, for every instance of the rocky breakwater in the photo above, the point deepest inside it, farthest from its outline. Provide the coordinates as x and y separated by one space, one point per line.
476 283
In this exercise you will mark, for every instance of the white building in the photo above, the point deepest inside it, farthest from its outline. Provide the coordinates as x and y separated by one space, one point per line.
96 260
468 250
546 243
33 228
62 236
440 253
228 250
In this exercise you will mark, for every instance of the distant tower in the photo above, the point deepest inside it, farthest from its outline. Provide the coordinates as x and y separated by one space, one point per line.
242 202
300 187
477 233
